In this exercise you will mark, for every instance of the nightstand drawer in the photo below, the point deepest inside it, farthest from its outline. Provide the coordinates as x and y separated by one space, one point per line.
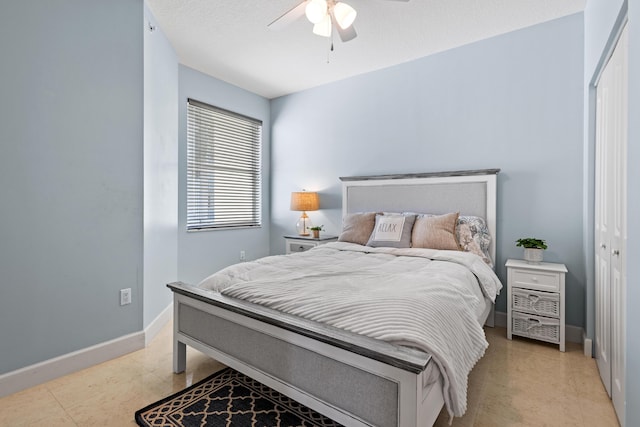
539 280
537 327
543 303
299 247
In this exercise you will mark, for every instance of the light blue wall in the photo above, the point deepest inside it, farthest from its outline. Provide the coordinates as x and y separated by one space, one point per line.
203 253
513 102
160 169
71 132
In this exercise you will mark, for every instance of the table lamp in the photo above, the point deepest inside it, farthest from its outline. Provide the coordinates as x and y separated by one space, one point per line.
304 201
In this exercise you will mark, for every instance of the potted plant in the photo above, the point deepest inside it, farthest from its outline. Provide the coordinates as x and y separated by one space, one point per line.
533 249
316 231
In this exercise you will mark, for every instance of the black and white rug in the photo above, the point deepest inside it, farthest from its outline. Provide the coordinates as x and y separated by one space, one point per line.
229 398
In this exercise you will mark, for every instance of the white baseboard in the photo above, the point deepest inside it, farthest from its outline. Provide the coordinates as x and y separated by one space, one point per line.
572 333
157 324
588 345
47 370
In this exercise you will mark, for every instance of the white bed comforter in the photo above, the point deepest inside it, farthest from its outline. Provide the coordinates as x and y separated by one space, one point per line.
415 297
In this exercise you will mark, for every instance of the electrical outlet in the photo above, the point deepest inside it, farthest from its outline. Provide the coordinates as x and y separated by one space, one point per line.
125 296
243 256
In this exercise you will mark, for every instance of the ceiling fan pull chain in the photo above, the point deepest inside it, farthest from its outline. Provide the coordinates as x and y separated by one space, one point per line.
330 46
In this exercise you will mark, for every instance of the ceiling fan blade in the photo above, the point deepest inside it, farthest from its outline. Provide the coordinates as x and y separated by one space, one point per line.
289 16
346 34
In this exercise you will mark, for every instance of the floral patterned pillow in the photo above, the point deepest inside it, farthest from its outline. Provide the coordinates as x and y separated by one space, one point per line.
473 235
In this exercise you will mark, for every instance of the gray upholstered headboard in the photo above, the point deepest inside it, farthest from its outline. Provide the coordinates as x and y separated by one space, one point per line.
467 192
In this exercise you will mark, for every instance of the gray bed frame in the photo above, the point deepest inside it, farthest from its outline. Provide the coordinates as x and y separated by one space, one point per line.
352 379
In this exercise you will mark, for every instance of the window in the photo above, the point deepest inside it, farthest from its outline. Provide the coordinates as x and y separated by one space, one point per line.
223 168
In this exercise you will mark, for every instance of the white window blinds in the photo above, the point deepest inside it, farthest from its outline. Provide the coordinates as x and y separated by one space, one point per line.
223 168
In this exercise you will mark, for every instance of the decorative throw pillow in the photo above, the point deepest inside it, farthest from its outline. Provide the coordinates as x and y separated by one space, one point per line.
479 234
436 232
392 230
357 227
467 244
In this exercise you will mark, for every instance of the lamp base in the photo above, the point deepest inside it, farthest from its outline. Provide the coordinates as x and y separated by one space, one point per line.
303 225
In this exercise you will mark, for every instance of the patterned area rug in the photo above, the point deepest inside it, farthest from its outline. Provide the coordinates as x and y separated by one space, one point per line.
229 398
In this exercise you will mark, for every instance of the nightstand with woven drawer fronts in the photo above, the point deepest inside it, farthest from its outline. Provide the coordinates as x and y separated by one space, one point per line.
535 301
302 243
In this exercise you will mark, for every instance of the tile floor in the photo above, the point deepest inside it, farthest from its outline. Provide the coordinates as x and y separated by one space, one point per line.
530 383
517 383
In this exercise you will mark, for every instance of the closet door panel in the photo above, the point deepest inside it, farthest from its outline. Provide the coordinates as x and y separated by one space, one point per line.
611 224
619 73
602 214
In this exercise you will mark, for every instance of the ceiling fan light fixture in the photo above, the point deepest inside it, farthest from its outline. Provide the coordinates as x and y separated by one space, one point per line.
316 11
344 14
323 28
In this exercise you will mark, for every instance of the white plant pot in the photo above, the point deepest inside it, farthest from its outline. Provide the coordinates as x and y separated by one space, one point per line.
533 256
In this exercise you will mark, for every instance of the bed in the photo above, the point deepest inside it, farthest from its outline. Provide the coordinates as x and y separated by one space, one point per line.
354 379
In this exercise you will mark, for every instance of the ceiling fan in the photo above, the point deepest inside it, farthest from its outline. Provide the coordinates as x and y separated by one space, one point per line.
325 15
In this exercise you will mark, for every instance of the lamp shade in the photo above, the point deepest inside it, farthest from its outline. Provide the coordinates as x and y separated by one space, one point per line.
323 28
305 201
344 14
316 10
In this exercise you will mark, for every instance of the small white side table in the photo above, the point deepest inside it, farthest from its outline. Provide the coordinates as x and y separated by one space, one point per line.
295 243
536 301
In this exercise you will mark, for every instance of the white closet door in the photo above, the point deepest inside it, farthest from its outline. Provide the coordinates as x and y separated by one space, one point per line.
611 223
619 63
602 240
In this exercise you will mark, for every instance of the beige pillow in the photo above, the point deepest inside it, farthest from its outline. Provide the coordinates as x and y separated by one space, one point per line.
357 227
435 232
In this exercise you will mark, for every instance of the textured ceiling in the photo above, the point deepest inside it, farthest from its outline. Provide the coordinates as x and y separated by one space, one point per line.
229 39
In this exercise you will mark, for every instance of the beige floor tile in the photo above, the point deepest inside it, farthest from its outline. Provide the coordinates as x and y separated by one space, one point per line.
521 368
35 406
589 386
58 421
117 407
101 380
529 404
527 383
31 407
598 414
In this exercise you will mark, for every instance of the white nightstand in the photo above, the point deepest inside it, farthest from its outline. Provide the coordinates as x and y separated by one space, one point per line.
295 243
535 300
